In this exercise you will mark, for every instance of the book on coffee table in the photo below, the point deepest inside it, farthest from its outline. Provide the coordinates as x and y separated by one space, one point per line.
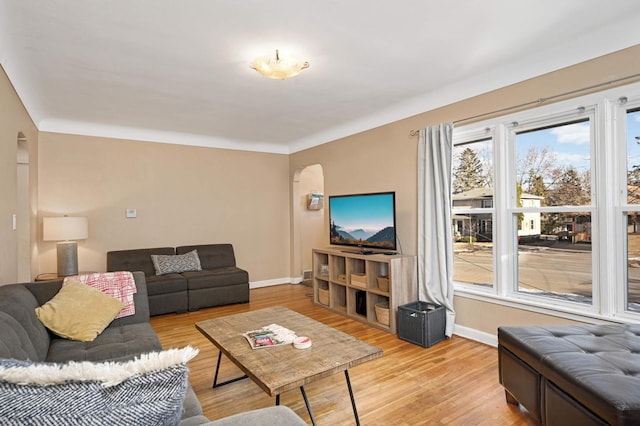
268 336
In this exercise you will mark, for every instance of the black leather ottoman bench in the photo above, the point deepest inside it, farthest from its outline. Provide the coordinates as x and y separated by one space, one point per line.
573 375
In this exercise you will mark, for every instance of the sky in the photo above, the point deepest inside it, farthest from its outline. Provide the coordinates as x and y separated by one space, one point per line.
570 143
368 212
633 144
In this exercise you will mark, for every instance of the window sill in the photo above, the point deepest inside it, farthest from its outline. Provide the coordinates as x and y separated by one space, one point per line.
541 308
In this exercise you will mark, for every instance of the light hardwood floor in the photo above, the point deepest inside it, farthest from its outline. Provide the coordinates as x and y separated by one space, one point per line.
454 382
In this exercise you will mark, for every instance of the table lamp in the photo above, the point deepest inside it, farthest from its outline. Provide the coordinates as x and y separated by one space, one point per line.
66 229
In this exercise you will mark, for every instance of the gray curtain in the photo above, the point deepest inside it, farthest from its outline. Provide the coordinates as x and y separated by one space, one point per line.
435 241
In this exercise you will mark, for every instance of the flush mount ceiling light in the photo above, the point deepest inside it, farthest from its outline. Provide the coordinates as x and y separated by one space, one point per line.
278 67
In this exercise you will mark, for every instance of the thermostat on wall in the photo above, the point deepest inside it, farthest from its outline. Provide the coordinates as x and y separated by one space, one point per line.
131 213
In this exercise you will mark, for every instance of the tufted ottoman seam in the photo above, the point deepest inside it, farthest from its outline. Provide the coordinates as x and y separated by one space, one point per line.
597 366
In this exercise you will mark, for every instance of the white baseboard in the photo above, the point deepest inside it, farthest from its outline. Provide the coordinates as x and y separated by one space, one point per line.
275 281
462 331
478 336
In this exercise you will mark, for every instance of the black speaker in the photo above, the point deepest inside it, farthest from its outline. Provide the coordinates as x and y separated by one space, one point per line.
361 302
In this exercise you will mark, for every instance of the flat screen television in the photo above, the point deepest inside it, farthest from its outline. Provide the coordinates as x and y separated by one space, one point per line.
365 221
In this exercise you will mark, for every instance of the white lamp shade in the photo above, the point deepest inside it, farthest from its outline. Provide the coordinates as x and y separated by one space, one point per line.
65 228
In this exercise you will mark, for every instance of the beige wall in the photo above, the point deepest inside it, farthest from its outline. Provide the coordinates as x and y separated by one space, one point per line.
183 195
187 195
311 221
388 156
382 159
14 120
487 317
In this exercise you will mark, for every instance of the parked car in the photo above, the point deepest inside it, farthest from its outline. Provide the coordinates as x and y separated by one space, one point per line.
565 233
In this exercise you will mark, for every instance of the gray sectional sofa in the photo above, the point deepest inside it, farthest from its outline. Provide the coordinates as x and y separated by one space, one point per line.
23 337
219 282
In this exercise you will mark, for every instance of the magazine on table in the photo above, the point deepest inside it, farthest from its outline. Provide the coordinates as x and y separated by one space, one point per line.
270 335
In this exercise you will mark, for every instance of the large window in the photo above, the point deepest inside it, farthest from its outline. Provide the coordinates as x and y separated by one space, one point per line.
632 221
546 207
553 186
473 211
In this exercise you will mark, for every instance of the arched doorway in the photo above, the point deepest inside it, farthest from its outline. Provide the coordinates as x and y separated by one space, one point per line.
308 223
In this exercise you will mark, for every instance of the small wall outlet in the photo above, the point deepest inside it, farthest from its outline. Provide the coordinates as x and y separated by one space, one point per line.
131 213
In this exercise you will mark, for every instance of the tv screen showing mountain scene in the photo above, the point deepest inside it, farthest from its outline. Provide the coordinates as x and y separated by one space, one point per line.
363 220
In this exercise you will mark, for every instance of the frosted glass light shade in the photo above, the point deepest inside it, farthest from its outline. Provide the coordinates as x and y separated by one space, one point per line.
66 228
278 67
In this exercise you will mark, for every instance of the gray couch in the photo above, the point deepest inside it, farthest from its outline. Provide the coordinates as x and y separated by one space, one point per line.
220 282
23 337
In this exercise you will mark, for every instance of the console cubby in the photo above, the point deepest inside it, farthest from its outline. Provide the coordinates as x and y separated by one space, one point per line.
356 297
338 268
338 297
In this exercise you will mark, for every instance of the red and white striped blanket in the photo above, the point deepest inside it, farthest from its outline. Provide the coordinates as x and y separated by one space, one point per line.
119 285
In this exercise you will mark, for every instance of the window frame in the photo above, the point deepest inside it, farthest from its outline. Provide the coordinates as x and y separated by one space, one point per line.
607 113
466 137
619 108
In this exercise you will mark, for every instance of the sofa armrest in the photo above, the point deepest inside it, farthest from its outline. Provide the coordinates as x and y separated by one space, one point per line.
44 291
141 300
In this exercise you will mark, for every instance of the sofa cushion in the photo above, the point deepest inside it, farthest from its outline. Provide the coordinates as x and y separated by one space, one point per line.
212 256
79 312
114 343
191 405
135 260
147 390
169 264
19 304
218 277
163 284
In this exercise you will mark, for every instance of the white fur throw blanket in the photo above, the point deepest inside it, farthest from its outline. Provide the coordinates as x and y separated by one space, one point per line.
147 390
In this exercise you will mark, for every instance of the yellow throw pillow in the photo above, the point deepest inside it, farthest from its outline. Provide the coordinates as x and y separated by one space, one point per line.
79 312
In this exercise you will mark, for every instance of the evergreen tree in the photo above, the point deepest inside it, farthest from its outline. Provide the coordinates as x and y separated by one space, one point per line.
468 173
535 185
519 204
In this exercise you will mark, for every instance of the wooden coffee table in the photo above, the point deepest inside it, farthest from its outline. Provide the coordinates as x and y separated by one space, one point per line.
282 368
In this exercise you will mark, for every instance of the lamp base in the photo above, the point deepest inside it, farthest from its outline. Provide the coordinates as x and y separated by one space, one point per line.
67 253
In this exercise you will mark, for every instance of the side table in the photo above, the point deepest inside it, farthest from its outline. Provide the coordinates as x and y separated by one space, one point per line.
53 276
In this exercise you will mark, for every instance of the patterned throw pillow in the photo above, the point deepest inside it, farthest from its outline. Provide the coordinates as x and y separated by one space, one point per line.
147 390
168 264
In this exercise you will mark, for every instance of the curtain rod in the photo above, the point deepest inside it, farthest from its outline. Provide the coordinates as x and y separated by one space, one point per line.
540 100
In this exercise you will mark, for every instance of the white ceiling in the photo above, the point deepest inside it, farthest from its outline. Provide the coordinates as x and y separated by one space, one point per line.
177 71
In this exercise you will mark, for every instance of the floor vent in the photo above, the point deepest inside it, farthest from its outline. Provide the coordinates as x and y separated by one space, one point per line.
306 275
